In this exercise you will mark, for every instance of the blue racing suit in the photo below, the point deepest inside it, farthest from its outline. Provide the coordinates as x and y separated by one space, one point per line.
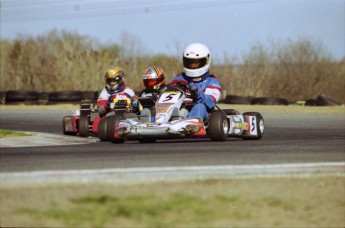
209 91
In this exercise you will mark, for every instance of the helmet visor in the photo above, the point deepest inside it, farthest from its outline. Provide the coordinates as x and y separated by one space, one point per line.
114 81
194 63
150 83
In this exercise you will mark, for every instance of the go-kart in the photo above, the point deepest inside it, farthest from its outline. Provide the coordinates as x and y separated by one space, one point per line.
84 121
87 120
121 108
171 121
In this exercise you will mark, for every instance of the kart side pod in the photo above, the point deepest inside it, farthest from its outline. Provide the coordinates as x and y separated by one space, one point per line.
249 125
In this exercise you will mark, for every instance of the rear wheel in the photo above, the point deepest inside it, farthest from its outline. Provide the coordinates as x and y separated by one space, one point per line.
102 129
257 124
112 123
231 112
83 126
218 126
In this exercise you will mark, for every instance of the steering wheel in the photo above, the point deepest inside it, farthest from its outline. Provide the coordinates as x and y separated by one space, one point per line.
181 84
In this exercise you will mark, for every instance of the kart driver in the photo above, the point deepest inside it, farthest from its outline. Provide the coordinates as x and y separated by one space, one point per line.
114 84
204 87
154 82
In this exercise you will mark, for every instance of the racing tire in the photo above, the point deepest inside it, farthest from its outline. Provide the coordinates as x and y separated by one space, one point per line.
259 124
233 99
65 132
89 96
231 112
83 126
270 101
65 96
311 102
102 129
21 95
325 100
218 126
112 122
147 140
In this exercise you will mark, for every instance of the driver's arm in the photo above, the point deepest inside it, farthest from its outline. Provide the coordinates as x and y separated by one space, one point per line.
210 96
102 102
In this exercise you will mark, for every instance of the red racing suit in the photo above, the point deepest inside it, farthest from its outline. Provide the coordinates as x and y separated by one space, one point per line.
103 99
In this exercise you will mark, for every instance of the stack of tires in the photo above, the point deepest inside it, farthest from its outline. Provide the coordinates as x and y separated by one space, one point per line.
72 97
323 100
250 100
21 96
29 97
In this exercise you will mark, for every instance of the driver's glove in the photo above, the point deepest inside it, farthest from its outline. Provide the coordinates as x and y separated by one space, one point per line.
193 89
101 110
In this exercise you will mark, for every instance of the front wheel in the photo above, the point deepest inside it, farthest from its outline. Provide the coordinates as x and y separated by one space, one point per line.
83 126
102 129
218 126
112 124
257 126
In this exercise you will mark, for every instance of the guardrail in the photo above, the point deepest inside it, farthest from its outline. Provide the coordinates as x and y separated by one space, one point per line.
13 97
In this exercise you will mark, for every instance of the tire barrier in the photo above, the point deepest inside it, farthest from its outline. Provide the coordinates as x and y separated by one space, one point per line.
43 96
90 96
233 99
324 100
75 97
21 96
2 97
311 102
269 101
63 96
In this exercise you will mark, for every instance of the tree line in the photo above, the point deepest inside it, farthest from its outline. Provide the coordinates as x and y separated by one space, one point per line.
60 60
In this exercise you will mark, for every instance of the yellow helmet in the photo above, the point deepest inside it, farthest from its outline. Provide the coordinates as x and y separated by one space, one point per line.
114 80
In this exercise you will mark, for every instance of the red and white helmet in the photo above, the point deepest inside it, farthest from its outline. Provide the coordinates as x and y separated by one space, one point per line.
153 77
196 60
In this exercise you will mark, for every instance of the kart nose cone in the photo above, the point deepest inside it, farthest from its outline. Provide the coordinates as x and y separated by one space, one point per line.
190 128
123 131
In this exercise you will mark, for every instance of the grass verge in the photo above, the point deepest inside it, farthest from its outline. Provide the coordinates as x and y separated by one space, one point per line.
11 134
253 202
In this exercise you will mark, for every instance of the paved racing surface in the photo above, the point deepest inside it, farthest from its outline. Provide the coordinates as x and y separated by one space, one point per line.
289 138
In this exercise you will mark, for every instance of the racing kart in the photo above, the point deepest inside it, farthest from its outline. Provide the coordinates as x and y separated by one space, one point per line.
171 121
83 121
87 120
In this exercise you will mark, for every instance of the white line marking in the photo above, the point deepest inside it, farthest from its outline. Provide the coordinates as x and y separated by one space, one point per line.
184 169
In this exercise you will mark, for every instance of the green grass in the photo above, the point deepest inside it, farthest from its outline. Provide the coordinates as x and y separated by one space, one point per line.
249 202
10 134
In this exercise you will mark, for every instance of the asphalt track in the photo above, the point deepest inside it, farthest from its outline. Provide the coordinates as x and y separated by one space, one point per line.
288 139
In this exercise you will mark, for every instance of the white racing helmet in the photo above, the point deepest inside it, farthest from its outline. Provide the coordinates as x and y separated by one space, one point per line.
196 60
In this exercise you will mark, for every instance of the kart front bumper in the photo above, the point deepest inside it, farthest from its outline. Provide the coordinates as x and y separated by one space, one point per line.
175 129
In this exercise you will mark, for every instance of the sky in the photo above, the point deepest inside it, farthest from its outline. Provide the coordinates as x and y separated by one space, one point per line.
228 27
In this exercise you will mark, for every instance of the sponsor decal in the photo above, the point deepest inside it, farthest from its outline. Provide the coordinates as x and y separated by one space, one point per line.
169 96
163 108
240 125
